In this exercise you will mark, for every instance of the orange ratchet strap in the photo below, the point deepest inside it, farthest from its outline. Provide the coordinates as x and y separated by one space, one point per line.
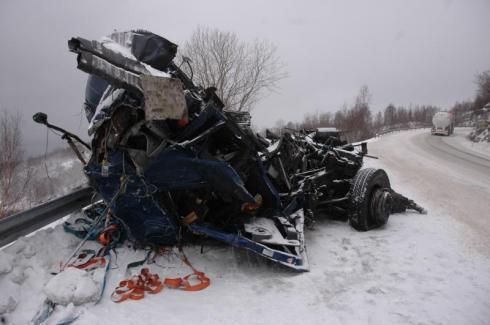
135 287
183 283
87 260
105 236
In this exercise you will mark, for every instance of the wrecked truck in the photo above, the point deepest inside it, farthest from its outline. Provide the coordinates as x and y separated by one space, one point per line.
171 162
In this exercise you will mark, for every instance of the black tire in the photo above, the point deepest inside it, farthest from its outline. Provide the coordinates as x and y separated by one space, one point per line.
365 184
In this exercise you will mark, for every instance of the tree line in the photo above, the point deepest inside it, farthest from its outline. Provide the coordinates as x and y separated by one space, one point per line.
357 120
359 123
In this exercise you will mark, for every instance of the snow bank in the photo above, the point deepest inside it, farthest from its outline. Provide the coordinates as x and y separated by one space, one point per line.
461 140
5 263
480 134
9 297
26 266
72 286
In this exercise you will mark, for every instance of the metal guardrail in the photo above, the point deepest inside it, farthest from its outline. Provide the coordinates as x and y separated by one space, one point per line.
403 129
23 223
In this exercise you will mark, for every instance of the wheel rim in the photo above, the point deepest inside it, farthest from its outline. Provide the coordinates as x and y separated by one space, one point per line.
380 207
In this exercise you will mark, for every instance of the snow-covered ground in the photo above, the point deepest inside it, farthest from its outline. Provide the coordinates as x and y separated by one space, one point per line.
459 140
418 269
448 178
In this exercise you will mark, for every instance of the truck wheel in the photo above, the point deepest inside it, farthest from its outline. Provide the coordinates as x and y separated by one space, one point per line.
370 199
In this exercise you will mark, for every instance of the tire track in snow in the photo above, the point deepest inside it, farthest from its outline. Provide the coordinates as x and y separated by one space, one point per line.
452 152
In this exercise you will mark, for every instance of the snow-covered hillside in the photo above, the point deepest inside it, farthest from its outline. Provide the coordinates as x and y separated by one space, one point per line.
461 140
427 269
48 177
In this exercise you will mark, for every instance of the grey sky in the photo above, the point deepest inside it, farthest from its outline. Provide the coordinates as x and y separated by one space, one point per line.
419 52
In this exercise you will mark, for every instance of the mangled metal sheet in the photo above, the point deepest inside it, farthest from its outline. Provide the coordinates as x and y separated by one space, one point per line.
164 98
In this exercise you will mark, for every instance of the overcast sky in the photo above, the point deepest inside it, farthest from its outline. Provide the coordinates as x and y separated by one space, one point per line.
419 52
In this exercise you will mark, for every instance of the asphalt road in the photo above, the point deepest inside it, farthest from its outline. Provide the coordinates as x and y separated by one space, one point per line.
442 173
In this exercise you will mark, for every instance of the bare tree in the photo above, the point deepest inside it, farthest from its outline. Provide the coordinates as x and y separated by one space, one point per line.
241 72
279 127
389 116
12 185
325 119
378 120
357 120
483 90
461 110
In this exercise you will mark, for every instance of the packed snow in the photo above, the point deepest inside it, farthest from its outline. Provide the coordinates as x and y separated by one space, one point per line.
424 269
460 140
72 286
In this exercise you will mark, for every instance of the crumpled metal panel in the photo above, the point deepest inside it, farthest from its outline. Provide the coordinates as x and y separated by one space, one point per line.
130 198
164 98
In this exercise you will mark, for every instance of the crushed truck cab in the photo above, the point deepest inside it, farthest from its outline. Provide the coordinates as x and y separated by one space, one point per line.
172 163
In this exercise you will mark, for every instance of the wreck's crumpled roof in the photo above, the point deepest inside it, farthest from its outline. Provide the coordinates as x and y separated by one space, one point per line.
109 43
